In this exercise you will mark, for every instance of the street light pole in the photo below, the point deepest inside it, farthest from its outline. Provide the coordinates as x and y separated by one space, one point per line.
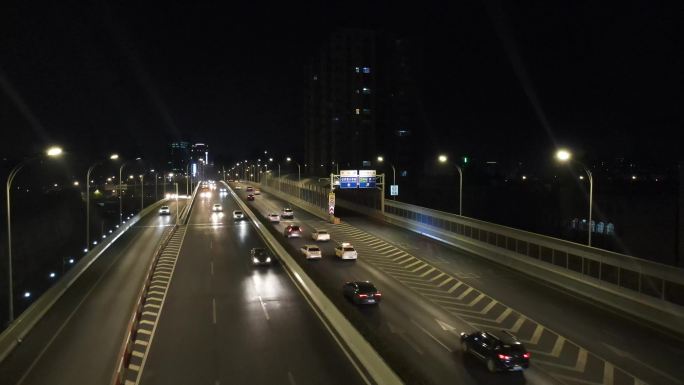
90 169
120 193
591 201
460 190
51 152
177 207
10 283
142 191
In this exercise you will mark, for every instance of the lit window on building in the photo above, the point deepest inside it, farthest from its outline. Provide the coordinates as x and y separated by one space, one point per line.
366 70
403 133
358 70
365 90
358 111
315 77
366 111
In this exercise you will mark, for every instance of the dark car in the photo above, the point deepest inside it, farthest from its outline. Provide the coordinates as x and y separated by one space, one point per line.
499 350
362 292
260 256
292 231
250 197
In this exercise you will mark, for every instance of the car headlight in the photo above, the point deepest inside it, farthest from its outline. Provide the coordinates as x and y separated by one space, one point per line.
255 260
268 259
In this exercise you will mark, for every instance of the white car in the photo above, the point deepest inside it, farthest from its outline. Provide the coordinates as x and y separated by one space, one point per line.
164 210
311 252
237 214
217 208
346 251
238 187
320 235
273 217
257 191
287 213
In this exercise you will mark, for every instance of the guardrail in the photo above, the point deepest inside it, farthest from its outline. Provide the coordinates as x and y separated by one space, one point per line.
355 343
124 355
647 290
21 326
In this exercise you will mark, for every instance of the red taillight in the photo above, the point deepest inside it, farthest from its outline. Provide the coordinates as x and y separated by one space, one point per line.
378 294
289 230
363 295
504 357
526 355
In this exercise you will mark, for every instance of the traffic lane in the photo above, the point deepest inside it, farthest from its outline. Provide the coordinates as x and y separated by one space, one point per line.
648 353
405 322
244 318
105 295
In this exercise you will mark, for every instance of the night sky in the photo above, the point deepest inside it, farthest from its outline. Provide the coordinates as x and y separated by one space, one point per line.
498 79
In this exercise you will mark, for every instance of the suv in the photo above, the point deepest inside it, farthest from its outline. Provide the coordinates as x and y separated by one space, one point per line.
346 251
292 231
498 350
164 210
237 214
287 213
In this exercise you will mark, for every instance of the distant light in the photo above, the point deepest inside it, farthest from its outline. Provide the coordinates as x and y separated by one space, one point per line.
54 151
634 177
380 159
288 159
117 226
55 185
170 175
85 250
563 155
442 158
52 274
138 158
110 231
71 261
104 236
130 177
76 183
114 156
94 242
581 177
524 177
109 179
27 294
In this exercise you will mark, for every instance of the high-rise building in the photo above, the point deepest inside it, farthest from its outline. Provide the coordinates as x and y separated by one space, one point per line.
199 159
179 156
362 101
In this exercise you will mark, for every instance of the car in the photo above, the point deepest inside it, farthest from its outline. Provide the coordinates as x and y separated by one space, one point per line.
164 210
311 252
223 189
287 213
230 181
499 350
238 187
217 207
273 217
250 188
260 256
292 231
346 251
362 293
237 214
320 235
250 197
257 191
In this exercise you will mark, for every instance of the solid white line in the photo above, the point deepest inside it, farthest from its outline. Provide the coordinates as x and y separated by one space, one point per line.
431 336
263 306
213 307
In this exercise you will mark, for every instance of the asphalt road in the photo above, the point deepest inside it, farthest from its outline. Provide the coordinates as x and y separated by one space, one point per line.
225 321
78 340
432 292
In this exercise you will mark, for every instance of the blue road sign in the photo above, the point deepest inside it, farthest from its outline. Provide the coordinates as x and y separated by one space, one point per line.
349 182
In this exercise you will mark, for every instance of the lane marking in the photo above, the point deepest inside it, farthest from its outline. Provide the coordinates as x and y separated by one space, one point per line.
213 310
290 378
431 336
212 267
263 306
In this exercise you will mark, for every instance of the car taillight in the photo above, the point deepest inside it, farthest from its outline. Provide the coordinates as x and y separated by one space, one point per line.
289 230
363 295
526 355
504 357
378 294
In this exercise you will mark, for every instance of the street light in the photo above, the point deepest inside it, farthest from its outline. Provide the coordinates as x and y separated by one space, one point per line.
394 172
90 170
565 156
299 170
50 152
443 159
